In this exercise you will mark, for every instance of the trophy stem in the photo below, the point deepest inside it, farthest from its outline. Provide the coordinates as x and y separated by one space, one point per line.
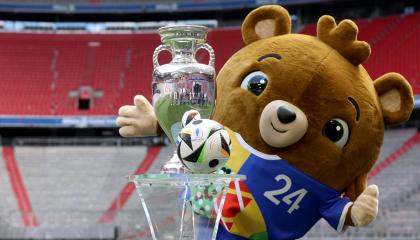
174 165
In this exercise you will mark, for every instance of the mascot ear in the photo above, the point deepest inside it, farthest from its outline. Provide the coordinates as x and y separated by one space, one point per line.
395 97
264 22
357 187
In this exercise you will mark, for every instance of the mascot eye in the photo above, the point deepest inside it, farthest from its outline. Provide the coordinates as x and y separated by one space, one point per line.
337 131
255 82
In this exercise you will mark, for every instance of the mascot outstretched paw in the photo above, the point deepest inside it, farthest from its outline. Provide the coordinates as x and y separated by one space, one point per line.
365 208
137 120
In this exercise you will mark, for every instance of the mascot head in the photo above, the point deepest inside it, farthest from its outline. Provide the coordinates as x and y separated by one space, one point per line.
308 99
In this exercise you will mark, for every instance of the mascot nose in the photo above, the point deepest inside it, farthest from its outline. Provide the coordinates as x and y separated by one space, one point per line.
285 115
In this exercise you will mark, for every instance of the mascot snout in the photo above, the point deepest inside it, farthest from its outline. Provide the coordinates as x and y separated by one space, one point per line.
282 124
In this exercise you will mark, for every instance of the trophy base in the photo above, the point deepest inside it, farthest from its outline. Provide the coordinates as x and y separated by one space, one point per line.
168 203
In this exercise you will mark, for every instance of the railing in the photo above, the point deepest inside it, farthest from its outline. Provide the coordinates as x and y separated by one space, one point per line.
101 27
95 141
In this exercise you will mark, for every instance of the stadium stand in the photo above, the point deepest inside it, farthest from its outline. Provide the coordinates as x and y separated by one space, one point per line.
70 193
399 189
85 187
44 73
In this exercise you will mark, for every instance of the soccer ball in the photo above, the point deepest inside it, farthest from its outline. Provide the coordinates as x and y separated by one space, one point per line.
203 146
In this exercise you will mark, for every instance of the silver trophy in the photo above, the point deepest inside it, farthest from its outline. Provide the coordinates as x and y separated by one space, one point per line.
183 84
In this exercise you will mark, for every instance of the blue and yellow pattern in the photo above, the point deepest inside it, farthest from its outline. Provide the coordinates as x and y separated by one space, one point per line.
276 201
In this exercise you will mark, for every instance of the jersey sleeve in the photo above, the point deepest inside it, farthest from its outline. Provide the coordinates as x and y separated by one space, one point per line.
335 211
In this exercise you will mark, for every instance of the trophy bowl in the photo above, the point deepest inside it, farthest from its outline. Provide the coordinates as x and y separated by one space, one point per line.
169 201
183 84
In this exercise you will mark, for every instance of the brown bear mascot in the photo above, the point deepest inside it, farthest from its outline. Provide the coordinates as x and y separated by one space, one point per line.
306 123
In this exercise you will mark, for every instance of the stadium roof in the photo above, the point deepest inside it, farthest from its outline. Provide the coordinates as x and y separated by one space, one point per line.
131 6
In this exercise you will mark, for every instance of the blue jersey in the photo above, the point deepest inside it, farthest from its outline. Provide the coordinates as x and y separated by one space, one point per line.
276 199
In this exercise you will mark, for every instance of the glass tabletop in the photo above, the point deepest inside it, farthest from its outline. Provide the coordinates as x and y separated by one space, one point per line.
182 179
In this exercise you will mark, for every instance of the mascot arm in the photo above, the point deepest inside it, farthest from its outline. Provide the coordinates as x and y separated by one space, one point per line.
335 211
138 120
342 211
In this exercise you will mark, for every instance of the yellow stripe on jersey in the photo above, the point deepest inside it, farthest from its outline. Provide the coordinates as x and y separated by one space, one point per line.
249 221
244 194
238 154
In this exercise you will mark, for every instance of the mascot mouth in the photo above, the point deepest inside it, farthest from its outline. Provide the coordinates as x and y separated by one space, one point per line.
275 129
280 134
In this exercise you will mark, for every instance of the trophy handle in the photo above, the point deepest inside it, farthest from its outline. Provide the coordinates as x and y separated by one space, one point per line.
156 54
210 50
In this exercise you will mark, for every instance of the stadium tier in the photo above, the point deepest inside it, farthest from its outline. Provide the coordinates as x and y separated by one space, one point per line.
51 74
78 189
47 74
